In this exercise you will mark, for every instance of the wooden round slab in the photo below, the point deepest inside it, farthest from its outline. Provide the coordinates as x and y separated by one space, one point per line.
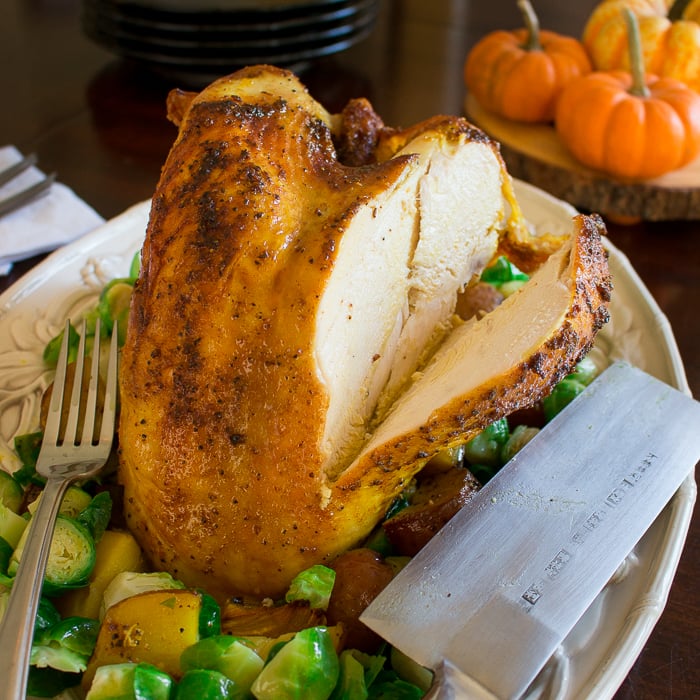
533 152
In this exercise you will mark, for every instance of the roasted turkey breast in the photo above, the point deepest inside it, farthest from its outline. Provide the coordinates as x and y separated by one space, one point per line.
293 357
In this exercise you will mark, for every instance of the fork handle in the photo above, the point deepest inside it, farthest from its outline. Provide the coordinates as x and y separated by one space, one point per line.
17 627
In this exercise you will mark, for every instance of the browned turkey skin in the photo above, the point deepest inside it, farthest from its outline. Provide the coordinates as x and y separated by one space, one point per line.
286 298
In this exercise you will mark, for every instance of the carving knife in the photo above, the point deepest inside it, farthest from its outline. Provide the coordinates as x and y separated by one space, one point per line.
487 601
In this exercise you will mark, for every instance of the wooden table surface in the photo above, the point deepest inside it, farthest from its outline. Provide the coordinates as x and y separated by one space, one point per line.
99 122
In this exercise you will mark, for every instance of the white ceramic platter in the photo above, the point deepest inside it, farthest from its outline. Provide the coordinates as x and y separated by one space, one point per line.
597 655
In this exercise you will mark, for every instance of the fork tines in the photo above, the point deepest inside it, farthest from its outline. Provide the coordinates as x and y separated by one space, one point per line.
11 172
30 193
84 405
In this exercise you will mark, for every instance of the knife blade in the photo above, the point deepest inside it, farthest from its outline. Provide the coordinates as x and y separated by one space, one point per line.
490 597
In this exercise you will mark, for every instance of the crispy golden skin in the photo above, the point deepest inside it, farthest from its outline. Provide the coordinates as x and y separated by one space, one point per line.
223 410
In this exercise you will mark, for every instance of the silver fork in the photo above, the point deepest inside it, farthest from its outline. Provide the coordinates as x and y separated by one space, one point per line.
62 462
30 193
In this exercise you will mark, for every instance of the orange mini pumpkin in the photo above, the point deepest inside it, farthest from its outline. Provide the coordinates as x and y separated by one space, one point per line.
519 74
692 11
670 37
630 125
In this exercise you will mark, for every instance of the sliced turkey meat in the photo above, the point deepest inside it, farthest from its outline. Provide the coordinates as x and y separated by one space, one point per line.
293 357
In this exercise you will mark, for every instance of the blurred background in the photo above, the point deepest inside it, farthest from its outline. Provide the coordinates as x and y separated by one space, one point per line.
70 48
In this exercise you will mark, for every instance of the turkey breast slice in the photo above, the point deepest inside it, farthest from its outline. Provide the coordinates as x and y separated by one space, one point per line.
399 269
488 367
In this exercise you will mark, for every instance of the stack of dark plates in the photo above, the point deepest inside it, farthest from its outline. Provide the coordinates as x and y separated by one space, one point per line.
202 39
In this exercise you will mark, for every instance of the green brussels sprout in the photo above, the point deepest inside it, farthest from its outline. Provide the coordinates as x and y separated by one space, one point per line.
46 616
130 681
27 447
562 395
65 646
389 686
358 672
314 584
6 550
53 347
205 684
485 448
229 656
74 500
410 671
585 372
209 616
150 683
517 440
351 682
378 541
49 682
71 557
12 526
503 273
95 516
113 305
11 492
569 387
112 682
305 667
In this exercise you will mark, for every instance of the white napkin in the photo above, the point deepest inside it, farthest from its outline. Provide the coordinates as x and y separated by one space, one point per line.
50 221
